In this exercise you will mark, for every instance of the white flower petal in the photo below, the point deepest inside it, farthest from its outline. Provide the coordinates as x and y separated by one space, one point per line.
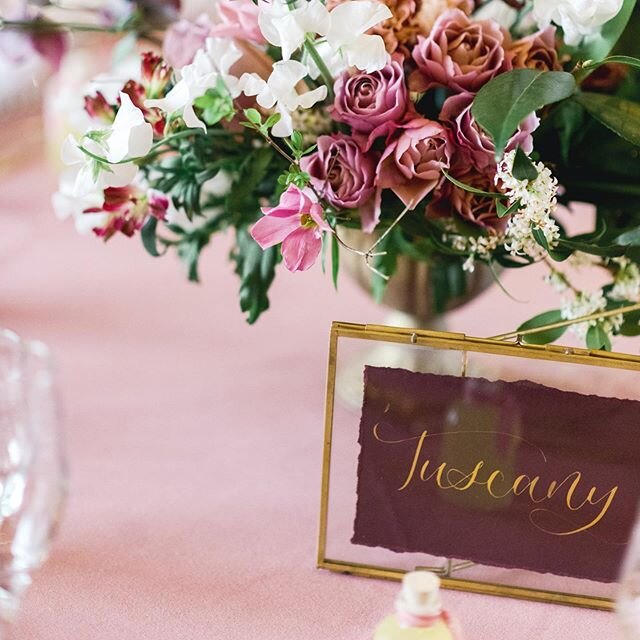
284 127
367 53
578 18
314 18
131 136
351 19
309 98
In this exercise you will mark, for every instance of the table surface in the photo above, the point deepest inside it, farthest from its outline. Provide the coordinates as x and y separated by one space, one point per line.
195 444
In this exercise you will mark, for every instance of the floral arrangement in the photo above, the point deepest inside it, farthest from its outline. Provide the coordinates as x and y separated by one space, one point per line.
448 131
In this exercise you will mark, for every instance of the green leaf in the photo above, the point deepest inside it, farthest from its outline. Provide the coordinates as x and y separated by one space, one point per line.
148 236
189 253
216 104
560 255
470 189
546 336
630 329
272 120
335 260
385 264
609 251
540 238
504 102
448 281
503 211
620 115
253 116
523 168
626 60
598 338
568 120
256 269
601 44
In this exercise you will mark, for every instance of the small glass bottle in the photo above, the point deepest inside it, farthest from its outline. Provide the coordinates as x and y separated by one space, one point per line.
419 614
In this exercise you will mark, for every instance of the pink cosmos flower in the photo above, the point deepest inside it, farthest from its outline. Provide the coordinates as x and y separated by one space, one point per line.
412 165
471 141
238 19
460 53
298 223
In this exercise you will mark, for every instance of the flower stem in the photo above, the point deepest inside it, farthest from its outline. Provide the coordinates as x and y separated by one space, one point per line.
43 26
567 323
310 47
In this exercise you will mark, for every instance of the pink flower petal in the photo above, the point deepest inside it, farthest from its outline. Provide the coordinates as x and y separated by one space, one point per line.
301 249
272 230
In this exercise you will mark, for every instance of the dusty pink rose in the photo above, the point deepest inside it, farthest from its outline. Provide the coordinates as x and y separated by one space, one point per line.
238 19
298 223
536 51
449 200
184 38
372 103
412 165
344 174
471 141
459 53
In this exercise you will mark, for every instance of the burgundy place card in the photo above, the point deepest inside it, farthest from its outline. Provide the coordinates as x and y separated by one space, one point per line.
507 474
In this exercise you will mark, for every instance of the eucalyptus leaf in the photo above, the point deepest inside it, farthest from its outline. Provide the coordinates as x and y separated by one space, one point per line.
545 336
620 115
504 102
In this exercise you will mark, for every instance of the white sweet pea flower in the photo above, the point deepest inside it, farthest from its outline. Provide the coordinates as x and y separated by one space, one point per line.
210 65
579 19
87 176
332 58
131 136
68 204
128 137
285 24
349 23
280 92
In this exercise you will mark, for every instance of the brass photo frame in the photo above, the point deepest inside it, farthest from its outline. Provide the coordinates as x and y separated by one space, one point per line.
453 573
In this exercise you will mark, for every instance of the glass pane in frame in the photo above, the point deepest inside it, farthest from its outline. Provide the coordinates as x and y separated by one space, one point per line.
355 346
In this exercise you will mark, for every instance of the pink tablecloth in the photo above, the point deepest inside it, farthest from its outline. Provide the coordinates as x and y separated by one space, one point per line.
195 446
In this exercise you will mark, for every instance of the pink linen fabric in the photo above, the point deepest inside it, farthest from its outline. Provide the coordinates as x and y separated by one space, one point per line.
194 502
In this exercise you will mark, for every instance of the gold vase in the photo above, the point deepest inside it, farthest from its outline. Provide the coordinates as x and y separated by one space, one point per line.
409 290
